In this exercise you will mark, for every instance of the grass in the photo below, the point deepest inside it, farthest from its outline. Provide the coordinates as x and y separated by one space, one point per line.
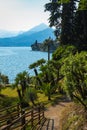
55 99
71 119
10 95
9 92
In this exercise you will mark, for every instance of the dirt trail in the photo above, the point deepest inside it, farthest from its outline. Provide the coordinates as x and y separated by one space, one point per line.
54 112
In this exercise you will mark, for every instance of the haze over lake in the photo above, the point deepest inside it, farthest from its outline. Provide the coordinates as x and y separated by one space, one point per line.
14 60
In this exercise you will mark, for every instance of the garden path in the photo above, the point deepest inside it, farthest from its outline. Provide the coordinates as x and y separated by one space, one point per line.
55 112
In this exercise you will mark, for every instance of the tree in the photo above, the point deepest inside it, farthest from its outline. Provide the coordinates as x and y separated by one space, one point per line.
75 72
61 16
3 80
81 26
47 89
71 17
34 66
63 52
57 62
83 5
22 81
48 42
67 18
56 67
55 15
31 95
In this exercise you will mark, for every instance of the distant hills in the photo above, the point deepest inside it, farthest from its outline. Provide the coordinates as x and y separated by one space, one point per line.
39 33
8 34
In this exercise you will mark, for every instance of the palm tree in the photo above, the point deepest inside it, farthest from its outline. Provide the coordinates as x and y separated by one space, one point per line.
47 89
31 95
35 65
22 81
3 80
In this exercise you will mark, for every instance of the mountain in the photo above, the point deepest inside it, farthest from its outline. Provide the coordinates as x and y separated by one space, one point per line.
39 33
39 27
6 34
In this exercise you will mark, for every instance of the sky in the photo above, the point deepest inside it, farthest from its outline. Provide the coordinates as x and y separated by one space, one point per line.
22 15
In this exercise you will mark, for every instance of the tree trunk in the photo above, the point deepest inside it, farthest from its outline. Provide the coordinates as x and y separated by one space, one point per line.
48 52
49 97
36 73
19 94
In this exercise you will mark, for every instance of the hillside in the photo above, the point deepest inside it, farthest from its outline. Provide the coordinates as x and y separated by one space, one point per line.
39 33
8 34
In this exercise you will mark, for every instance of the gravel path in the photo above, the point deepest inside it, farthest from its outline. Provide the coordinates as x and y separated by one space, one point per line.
54 112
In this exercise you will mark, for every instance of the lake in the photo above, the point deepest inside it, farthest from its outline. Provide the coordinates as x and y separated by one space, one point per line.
14 60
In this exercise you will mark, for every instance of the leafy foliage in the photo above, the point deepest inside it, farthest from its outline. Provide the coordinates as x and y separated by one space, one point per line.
55 13
63 52
83 5
75 80
69 19
3 81
31 95
22 81
47 89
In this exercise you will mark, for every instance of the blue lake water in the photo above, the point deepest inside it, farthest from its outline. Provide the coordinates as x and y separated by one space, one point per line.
14 60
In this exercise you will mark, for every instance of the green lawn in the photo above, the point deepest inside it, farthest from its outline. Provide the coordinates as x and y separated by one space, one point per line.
9 92
11 97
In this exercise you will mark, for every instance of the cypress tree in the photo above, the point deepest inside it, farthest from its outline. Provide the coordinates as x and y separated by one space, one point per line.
55 14
61 17
72 18
68 13
81 26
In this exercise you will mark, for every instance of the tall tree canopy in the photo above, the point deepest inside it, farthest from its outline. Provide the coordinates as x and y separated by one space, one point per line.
71 17
68 13
81 25
55 14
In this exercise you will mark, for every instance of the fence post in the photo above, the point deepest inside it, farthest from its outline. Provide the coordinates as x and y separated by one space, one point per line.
23 120
18 109
43 110
8 121
32 117
39 113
